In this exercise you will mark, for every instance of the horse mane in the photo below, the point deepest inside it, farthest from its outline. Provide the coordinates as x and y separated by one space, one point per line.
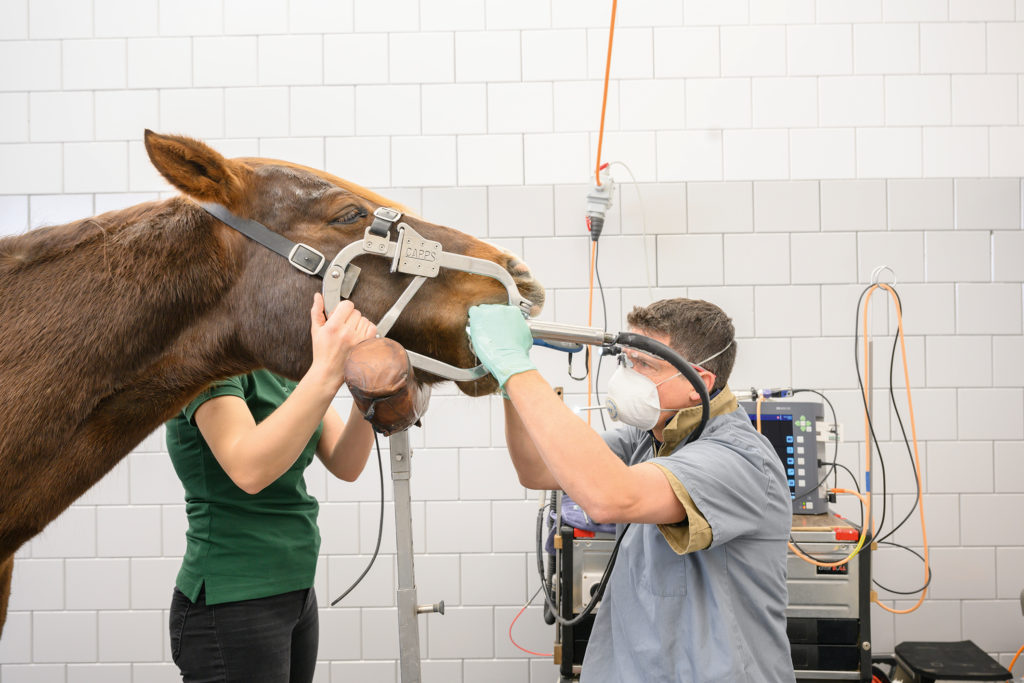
50 243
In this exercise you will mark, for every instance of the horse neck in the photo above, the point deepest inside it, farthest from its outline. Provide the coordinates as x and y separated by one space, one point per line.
106 326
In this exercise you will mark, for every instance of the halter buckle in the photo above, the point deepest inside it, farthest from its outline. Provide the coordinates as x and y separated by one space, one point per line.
302 255
378 233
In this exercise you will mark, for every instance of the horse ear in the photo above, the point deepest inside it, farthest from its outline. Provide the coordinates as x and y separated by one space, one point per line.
195 168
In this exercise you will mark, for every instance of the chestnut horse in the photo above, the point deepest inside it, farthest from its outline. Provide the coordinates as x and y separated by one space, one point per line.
109 325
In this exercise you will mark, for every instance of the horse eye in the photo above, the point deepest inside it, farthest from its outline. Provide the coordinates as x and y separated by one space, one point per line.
350 217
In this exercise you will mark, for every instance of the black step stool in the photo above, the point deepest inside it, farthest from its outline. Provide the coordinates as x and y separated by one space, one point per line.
937 662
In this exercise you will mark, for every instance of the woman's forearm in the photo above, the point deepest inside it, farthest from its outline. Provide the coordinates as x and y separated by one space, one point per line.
255 455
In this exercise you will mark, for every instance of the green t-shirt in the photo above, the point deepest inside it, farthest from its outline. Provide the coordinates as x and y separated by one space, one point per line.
243 546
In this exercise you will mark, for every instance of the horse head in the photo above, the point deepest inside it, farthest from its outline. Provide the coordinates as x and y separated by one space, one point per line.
270 299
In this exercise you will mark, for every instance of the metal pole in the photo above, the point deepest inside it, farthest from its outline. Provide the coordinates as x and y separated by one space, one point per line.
408 627
408 610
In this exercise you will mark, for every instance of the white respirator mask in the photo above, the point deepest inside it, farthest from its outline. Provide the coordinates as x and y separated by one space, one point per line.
632 398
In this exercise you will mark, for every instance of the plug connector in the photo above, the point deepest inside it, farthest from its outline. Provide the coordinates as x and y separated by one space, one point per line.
599 200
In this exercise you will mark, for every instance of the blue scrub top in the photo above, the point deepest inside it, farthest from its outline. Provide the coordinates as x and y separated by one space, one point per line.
704 601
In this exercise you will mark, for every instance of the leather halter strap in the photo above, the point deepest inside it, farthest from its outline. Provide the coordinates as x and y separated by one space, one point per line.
304 257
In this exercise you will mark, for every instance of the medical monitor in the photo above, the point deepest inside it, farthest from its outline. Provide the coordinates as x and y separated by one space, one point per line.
792 429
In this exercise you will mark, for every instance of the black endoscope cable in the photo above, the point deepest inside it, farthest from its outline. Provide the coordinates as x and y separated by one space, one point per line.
906 441
896 410
656 348
864 400
903 431
380 526
604 320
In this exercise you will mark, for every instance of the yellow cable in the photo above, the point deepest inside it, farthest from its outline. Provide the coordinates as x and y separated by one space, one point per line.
860 541
796 551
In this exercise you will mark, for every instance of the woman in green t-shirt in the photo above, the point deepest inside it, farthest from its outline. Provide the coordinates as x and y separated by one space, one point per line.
243 607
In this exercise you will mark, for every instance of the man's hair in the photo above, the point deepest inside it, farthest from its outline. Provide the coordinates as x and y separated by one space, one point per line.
695 328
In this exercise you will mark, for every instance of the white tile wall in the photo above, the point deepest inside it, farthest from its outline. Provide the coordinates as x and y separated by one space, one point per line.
37 584
963 361
463 632
981 620
988 204
690 155
902 252
1008 361
928 309
885 48
990 413
633 50
937 622
718 103
787 311
487 56
958 257
917 100
947 148
984 99
985 10
315 16
784 149
1005 145
953 48
14 17
58 208
686 52
851 101
755 154
823 258
785 102
959 467
99 673
1005 53
64 637
93 64
690 259
988 309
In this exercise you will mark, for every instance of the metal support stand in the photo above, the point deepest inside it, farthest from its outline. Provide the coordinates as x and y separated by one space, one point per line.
408 610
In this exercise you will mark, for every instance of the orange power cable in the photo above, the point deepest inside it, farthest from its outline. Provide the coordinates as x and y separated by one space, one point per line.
869 485
604 97
913 434
597 177
866 499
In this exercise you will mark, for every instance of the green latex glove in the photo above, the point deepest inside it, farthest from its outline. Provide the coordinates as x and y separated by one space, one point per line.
501 340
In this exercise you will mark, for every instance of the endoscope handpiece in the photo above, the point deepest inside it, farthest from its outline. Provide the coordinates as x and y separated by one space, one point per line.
569 334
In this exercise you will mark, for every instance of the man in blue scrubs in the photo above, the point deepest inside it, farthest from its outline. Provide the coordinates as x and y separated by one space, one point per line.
699 589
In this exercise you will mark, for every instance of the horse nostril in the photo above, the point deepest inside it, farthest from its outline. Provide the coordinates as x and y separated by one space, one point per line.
530 288
518 268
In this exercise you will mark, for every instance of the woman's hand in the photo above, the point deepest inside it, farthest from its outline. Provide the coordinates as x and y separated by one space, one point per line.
334 337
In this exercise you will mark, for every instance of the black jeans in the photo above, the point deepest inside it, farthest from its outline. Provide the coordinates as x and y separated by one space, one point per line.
267 640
